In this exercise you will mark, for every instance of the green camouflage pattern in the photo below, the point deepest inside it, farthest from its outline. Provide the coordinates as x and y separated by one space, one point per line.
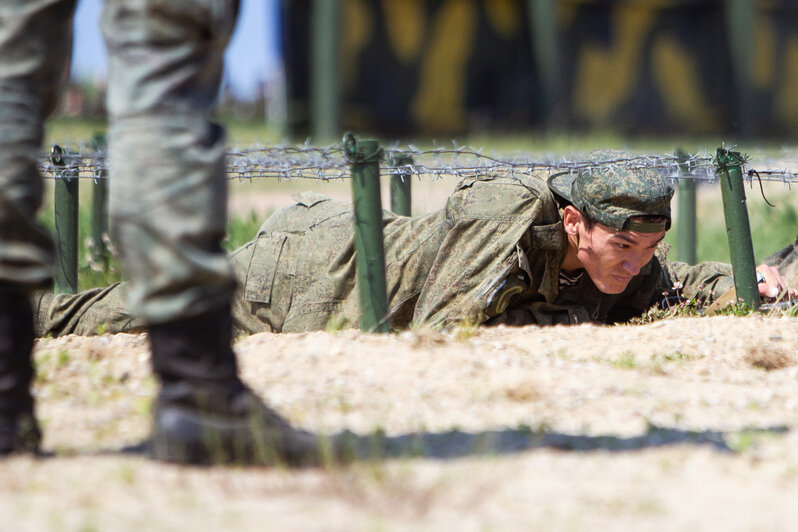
786 260
492 255
298 274
167 185
35 44
86 313
168 193
612 194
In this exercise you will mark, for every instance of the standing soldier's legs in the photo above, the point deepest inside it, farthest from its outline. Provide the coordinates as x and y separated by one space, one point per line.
168 208
35 43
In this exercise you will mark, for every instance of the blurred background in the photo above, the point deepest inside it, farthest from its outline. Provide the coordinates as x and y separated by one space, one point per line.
421 68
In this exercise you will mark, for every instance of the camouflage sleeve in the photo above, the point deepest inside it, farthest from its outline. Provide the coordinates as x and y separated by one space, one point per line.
485 222
705 281
786 260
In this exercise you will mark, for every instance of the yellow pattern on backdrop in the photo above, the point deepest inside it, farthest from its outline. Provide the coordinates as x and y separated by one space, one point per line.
605 77
405 21
676 76
439 104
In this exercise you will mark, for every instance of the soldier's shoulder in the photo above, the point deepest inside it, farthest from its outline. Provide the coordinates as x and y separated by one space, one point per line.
502 196
523 186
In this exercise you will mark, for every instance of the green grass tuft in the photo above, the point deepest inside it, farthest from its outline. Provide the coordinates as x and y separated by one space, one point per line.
625 361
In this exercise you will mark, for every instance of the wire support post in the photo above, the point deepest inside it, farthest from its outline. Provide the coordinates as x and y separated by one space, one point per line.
686 221
401 187
66 224
364 157
546 51
324 82
740 17
738 229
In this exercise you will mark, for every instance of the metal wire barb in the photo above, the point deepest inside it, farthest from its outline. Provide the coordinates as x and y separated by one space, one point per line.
284 162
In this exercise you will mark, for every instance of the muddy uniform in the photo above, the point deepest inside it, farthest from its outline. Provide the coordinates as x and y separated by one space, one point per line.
492 255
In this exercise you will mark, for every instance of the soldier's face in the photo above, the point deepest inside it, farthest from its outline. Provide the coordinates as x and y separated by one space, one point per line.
612 258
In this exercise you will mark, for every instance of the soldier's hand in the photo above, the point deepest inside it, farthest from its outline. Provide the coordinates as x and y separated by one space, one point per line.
774 285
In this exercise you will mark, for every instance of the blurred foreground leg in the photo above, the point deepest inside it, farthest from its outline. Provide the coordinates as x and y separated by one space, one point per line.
168 203
35 43
18 428
204 413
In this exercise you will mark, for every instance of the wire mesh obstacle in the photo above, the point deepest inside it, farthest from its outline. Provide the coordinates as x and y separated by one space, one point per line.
364 161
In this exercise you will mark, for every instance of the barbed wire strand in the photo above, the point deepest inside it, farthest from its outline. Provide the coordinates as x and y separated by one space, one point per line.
328 163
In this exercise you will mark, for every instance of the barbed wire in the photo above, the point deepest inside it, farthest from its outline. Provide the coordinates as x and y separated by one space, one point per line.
285 162
784 176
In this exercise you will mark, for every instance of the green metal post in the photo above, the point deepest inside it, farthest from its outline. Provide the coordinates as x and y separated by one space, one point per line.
686 226
739 27
369 248
401 187
99 211
738 229
324 89
543 25
66 225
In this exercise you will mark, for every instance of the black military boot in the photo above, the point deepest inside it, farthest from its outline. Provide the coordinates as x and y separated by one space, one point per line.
19 431
204 414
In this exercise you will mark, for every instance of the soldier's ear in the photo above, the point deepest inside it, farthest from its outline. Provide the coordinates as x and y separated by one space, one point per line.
571 219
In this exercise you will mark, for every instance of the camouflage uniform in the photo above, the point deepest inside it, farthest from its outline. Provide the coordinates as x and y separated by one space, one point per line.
786 260
35 43
168 210
493 255
168 195
167 160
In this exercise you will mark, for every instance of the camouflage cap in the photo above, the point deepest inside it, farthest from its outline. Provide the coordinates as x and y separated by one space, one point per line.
613 194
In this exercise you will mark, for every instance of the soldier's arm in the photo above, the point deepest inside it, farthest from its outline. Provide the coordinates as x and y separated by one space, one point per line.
708 281
703 282
478 252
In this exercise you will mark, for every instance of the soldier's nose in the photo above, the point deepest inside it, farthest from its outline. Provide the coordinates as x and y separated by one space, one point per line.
632 266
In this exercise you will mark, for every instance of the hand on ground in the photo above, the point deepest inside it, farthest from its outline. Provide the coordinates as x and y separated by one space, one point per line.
775 285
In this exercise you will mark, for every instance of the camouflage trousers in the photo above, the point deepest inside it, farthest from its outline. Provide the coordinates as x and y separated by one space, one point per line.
167 180
297 274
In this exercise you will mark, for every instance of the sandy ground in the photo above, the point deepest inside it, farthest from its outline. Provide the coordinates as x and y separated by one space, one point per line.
684 424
